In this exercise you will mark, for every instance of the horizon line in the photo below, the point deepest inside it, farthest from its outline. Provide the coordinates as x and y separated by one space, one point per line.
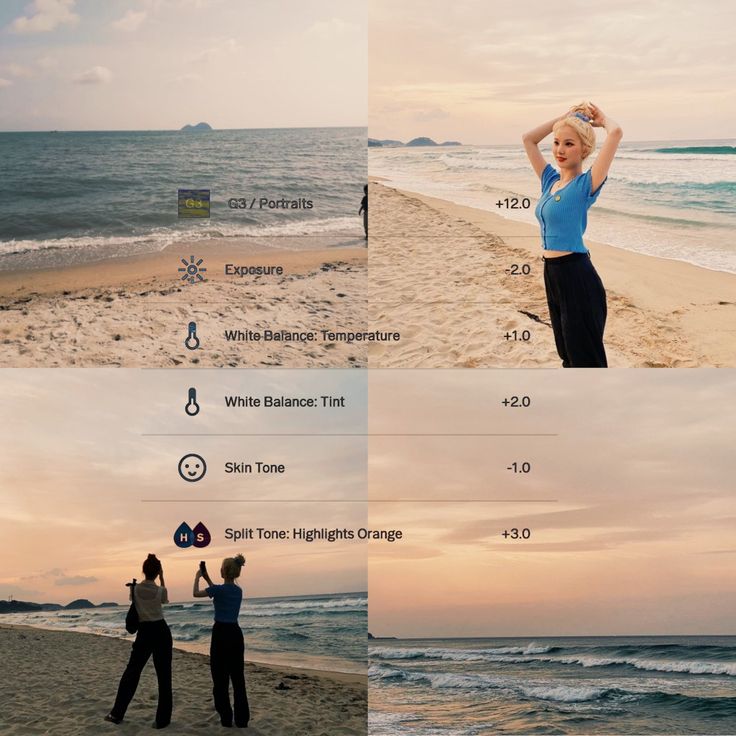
125 603
179 130
545 636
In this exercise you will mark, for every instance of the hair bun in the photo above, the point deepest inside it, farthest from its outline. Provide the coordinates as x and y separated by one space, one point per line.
151 556
583 111
239 560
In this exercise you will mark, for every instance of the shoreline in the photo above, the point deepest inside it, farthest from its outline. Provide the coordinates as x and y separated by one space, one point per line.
661 312
65 682
140 268
62 258
133 311
191 648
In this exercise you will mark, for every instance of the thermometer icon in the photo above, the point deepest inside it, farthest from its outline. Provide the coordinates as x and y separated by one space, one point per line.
192 407
192 341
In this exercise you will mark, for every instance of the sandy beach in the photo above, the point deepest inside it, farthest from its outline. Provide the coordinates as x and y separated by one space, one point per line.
63 683
439 273
134 311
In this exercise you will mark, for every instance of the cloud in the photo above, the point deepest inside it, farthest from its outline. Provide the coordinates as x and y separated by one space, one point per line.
330 29
223 47
5 83
45 15
47 62
75 580
95 75
434 113
6 590
188 78
62 578
16 70
131 21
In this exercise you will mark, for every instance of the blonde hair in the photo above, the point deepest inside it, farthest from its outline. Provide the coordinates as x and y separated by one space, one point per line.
231 566
585 130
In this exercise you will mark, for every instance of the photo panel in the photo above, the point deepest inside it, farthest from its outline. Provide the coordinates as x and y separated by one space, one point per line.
185 183
566 560
105 468
632 212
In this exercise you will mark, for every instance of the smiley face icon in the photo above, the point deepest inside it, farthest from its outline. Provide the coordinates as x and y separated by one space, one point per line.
192 467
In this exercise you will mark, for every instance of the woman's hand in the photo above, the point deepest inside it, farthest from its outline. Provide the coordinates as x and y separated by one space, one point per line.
198 574
599 119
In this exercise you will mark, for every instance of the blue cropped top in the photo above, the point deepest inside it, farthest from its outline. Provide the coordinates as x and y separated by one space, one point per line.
563 215
227 599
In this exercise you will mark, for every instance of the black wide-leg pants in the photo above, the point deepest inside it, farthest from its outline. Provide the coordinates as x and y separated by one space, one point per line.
577 309
153 637
227 654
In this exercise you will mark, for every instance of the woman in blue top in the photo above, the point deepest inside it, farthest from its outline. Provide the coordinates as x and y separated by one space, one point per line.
227 648
575 294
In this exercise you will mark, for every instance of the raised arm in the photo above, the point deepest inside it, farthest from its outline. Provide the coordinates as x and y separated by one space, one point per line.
196 592
599 170
165 596
532 139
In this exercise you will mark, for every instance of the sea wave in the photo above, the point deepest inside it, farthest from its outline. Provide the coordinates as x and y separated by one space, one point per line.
453 680
675 658
159 238
455 655
714 150
654 665
582 692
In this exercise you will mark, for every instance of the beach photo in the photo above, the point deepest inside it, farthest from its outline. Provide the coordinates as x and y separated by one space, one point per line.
567 563
553 195
140 475
178 162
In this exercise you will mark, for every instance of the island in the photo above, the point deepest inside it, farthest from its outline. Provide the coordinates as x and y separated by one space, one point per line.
413 143
14 606
198 126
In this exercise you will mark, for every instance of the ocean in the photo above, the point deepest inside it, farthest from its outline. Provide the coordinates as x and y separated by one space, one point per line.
323 632
674 199
76 197
597 685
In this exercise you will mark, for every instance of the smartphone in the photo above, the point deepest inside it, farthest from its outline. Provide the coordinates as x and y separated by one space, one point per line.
203 567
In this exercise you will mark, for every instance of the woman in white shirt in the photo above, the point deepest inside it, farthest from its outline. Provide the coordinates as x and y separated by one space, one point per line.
153 637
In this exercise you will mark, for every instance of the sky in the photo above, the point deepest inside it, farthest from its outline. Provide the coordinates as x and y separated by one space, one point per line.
630 499
638 537
160 64
86 496
484 73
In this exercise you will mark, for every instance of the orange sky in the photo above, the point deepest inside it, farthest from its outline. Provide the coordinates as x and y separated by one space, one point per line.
636 467
639 538
78 471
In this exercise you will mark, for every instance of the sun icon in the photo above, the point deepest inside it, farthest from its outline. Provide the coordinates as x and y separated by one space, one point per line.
192 270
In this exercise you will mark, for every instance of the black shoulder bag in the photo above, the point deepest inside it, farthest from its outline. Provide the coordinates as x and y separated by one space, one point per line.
131 619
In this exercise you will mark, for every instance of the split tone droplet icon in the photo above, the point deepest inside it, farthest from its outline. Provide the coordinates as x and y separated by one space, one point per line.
202 536
185 536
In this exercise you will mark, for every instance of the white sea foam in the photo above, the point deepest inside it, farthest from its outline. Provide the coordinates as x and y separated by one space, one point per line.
654 665
450 680
458 655
565 693
159 238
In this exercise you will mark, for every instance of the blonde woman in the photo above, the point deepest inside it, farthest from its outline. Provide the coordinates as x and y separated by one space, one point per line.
227 647
575 293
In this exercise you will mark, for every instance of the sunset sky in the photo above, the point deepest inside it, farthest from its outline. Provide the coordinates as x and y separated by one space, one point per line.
630 499
85 496
639 538
159 64
484 73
